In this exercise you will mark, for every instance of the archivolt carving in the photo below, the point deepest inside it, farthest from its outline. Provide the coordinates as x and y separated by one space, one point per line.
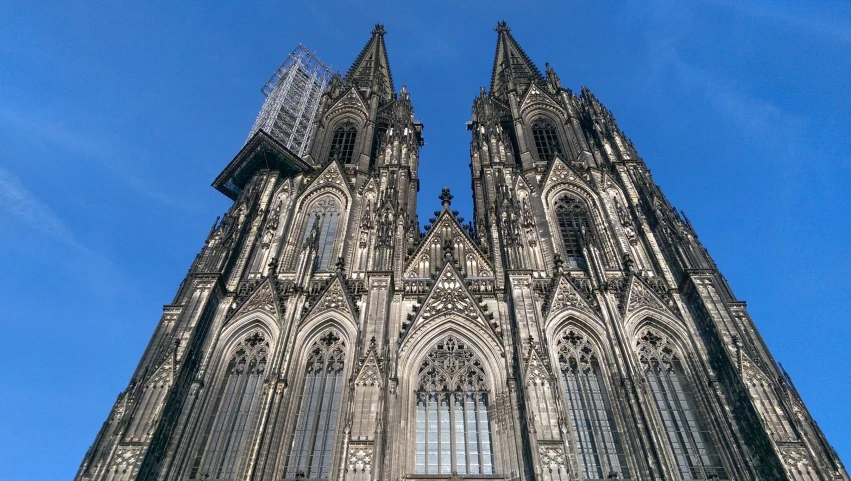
574 346
656 346
452 366
449 295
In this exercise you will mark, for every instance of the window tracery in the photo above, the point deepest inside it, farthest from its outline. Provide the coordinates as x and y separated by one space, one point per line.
321 228
319 406
453 432
237 402
684 424
598 444
575 229
343 142
546 139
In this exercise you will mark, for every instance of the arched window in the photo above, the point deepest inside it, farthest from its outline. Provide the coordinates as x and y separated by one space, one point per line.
574 227
319 407
690 442
237 402
453 432
321 228
343 142
546 139
598 443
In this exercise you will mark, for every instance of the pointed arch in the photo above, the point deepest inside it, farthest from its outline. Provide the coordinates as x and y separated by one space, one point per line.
571 207
234 402
683 422
596 437
343 141
452 423
546 138
321 373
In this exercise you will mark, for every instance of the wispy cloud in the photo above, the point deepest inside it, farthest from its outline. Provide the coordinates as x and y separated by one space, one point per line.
100 149
804 19
20 203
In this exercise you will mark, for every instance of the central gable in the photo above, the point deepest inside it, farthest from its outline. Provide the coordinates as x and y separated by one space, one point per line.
429 257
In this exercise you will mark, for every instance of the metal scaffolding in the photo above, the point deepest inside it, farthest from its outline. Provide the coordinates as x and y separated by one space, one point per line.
293 94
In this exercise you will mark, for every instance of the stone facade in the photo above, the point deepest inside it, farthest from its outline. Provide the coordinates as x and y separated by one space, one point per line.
576 329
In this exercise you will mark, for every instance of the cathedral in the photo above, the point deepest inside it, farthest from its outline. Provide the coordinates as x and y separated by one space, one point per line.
575 329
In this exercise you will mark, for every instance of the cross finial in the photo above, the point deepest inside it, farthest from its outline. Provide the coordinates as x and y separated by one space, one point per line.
502 27
340 265
379 29
445 198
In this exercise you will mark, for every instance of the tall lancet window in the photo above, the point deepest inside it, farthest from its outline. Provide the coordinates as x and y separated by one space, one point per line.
319 407
546 139
343 142
575 229
691 444
320 228
453 431
595 434
236 405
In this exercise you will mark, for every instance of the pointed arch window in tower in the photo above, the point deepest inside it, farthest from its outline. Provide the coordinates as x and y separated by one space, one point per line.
453 433
343 142
237 402
546 139
595 434
573 225
321 230
690 442
319 406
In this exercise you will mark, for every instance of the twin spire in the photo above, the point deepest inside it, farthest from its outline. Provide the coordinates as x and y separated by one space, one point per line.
371 69
512 68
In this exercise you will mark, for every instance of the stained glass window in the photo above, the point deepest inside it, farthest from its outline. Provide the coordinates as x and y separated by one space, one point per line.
237 402
319 407
321 228
596 437
684 424
453 432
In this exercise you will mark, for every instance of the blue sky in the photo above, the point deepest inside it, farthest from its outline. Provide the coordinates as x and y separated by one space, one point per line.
115 118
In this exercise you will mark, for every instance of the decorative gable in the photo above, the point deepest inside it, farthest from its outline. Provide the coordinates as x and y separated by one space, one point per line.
262 299
536 369
537 97
331 175
640 296
349 102
370 371
449 296
334 298
429 256
561 173
567 296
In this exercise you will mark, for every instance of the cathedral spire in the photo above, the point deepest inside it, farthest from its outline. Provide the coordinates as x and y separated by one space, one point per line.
371 70
512 68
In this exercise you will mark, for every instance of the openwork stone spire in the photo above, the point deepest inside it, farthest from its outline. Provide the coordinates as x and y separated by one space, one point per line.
512 68
371 70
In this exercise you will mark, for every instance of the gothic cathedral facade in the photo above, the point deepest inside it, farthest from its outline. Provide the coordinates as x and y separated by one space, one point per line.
576 329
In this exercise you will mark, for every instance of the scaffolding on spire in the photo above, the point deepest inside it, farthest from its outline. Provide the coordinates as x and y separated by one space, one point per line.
293 95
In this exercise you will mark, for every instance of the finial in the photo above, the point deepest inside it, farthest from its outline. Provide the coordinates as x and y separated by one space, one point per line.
340 265
445 198
502 27
379 29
